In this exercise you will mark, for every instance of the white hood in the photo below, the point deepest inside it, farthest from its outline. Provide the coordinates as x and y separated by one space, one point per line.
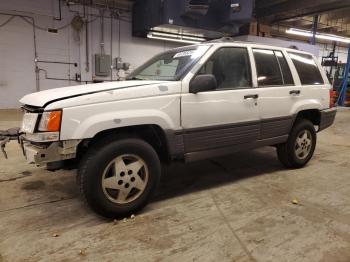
43 97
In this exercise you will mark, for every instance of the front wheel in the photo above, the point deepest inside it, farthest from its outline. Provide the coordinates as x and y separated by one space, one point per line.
118 176
300 146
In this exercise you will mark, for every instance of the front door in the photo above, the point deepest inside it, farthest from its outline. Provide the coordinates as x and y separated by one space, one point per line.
225 117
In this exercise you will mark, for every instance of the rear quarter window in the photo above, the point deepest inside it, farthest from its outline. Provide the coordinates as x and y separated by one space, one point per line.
307 69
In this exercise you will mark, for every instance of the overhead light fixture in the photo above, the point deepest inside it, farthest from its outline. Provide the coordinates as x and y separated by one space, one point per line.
330 37
175 38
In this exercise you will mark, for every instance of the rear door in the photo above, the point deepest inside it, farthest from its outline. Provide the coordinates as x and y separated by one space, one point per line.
314 85
278 92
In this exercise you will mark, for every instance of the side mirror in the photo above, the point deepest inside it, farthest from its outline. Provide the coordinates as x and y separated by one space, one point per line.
202 83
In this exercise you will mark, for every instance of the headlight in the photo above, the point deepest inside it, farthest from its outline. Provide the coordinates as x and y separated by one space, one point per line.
50 121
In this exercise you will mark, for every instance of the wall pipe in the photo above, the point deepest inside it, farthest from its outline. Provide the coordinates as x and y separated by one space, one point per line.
87 64
60 79
57 62
111 47
72 79
36 69
102 33
60 11
118 36
96 16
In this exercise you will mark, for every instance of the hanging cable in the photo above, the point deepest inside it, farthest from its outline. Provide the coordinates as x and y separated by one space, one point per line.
7 21
60 11
37 82
45 28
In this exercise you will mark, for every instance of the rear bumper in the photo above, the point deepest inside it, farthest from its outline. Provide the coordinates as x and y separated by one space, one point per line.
327 118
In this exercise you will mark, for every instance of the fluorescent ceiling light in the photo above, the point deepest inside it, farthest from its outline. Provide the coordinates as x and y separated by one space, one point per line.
196 38
175 38
172 39
295 31
329 37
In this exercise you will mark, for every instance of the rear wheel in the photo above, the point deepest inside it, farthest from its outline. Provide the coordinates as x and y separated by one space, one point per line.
118 177
300 146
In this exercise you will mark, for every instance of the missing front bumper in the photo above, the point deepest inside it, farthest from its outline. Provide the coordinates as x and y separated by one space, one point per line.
42 152
53 152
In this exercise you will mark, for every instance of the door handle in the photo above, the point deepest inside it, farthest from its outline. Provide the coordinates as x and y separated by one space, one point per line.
294 92
255 96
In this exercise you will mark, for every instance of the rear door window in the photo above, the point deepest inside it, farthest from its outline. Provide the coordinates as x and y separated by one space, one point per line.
267 67
307 69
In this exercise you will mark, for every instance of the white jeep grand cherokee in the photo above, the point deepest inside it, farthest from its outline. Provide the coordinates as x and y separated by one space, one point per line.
188 103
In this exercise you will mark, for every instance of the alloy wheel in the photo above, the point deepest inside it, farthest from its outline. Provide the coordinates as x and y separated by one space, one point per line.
125 179
303 144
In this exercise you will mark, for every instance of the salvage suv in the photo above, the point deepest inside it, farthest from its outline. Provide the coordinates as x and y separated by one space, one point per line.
189 103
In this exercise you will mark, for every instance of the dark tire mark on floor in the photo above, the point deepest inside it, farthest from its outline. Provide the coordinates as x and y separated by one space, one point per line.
33 185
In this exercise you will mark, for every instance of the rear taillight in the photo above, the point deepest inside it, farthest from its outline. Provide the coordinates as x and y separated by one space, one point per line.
331 98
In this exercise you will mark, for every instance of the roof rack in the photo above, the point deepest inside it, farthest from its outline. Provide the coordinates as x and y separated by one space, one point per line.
227 39
224 40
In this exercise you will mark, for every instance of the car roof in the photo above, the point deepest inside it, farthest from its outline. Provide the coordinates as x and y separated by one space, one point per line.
228 41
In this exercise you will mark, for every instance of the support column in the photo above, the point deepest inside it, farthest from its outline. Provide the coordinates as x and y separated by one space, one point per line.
314 30
344 85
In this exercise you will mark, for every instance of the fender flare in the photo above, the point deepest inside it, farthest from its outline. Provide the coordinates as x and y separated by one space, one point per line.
112 120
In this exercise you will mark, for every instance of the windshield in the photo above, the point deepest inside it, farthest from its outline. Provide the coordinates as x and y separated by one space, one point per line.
169 66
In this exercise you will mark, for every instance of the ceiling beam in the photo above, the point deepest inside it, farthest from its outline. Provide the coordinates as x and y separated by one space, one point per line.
337 14
298 8
125 5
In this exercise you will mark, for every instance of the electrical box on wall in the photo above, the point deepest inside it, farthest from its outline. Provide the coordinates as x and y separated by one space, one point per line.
102 65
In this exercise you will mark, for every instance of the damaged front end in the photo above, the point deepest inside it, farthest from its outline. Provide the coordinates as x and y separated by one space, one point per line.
48 153
53 154
39 138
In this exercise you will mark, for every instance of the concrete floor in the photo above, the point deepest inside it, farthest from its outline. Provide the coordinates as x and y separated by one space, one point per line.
235 208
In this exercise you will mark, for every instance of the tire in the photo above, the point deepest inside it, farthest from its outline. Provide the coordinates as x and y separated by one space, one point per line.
300 146
111 168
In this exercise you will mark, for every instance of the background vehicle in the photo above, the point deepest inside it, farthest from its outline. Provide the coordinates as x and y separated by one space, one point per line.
187 104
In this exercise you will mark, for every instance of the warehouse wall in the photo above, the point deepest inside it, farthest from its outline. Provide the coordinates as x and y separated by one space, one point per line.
17 71
17 74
